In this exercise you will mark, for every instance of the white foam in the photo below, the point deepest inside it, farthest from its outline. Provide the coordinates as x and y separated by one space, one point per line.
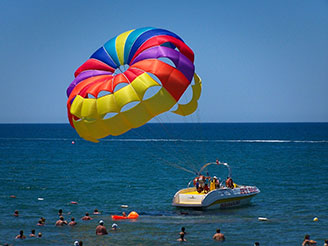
178 140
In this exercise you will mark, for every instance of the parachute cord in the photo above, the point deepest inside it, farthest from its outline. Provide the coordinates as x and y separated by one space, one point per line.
146 124
183 153
186 156
168 154
202 133
173 164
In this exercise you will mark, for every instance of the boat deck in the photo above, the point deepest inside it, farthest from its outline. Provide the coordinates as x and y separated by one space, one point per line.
195 193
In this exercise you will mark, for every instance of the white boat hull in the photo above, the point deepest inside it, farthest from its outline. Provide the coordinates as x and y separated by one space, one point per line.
218 198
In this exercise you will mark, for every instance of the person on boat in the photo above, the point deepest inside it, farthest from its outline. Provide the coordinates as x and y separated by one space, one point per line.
32 233
229 183
96 211
61 221
124 214
212 183
217 183
206 189
307 241
197 183
202 181
16 213
21 235
72 222
86 217
101 229
218 236
182 234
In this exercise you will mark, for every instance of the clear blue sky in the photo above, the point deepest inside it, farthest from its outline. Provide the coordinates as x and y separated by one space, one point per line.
260 61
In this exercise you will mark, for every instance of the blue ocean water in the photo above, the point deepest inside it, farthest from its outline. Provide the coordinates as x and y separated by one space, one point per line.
288 162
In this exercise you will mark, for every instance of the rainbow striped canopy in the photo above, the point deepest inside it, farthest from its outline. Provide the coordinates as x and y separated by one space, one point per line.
120 72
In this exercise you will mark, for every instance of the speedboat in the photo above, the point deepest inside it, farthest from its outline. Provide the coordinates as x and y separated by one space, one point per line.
219 196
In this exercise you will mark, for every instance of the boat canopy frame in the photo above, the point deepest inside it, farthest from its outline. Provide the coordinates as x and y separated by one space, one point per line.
212 163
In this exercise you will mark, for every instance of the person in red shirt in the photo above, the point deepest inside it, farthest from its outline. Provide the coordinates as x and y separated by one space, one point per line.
229 183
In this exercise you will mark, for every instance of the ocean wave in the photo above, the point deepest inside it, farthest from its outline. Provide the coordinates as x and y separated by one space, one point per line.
176 140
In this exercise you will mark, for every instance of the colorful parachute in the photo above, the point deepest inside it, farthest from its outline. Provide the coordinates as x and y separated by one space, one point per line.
132 62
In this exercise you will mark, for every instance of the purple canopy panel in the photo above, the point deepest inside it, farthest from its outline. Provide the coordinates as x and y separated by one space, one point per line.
182 63
84 75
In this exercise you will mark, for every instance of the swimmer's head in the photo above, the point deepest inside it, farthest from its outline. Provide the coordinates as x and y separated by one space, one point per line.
87 214
101 222
61 218
218 230
76 243
114 225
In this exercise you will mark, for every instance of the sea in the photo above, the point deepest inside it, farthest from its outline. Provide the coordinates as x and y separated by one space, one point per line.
44 167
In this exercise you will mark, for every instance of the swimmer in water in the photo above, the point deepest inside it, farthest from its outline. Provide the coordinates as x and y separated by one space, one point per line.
86 217
39 234
182 234
114 227
16 213
73 222
218 236
32 233
96 211
43 220
61 221
308 242
101 229
60 212
21 235
40 223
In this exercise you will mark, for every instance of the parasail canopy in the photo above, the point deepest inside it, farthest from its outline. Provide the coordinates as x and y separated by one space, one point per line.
120 73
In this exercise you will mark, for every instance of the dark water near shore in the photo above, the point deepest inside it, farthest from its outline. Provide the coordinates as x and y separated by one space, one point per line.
288 162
